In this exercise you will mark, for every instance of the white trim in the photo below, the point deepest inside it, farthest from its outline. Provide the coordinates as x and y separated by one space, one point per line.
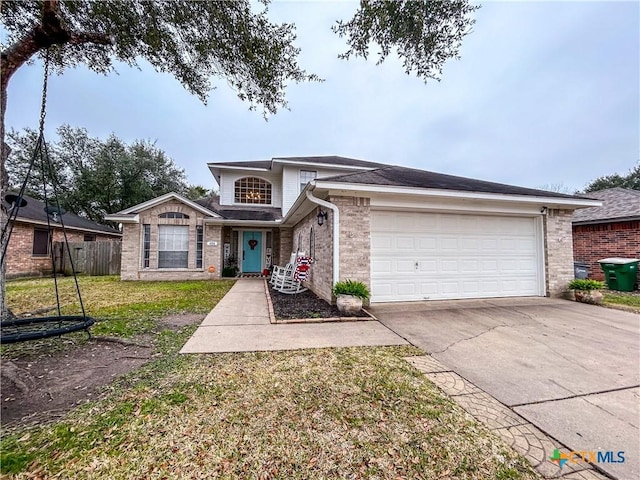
163 198
115 217
339 188
445 205
300 170
224 167
263 205
542 258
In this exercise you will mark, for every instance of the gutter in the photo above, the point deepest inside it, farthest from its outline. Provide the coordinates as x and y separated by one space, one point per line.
336 232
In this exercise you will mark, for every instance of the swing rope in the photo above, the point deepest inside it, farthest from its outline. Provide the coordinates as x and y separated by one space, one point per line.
27 329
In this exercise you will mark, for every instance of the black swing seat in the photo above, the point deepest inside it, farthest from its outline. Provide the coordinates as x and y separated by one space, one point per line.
25 329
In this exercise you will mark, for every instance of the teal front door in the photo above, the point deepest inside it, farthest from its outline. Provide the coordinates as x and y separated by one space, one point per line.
251 252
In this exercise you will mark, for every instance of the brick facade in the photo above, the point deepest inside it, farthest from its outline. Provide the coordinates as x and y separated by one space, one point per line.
132 268
20 259
285 245
355 238
558 248
602 240
317 242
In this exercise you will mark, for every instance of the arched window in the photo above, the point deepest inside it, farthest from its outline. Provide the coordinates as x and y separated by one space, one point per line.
173 215
253 190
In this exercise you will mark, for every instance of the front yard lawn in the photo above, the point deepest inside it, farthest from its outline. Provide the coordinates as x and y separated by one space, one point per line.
342 413
628 300
308 414
120 308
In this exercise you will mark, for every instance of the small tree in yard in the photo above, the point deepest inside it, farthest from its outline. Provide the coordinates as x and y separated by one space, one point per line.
197 40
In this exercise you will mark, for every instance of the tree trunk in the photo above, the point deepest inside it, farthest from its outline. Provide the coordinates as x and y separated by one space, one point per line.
51 31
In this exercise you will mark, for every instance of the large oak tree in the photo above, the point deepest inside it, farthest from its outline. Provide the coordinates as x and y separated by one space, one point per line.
196 41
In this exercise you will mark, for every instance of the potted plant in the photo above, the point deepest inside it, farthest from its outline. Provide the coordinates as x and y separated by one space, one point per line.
349 296
587 290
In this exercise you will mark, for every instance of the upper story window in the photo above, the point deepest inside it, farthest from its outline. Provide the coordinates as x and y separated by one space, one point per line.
252 190
306 176
173 215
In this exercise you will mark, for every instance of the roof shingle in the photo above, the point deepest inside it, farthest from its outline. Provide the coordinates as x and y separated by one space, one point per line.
409 177
34 211
229 212
617 203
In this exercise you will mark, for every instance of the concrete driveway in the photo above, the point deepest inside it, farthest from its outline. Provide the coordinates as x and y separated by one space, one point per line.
572 370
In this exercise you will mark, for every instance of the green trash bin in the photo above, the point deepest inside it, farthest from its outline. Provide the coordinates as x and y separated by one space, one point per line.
621 273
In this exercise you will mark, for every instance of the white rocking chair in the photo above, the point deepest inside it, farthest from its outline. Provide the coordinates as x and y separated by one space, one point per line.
290 282
278 272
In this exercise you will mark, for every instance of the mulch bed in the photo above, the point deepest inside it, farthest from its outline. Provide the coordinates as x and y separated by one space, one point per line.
303 305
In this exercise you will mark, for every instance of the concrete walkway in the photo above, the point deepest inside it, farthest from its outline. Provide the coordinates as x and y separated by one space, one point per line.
241 323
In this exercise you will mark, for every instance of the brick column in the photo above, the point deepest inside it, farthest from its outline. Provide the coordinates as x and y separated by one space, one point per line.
355 238
558 251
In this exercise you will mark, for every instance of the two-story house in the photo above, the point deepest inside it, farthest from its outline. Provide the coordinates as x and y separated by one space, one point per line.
409 234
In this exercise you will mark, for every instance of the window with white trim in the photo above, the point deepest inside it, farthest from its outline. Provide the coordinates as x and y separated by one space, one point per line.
306 176
146 244
252 190
199 242
173 246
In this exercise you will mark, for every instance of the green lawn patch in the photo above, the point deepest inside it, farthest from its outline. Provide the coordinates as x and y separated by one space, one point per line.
120 308
631 299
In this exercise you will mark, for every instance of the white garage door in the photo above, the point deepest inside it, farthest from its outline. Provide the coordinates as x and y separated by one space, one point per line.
434 256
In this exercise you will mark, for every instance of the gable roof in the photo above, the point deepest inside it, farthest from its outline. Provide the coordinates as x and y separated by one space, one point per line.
34 213
329 160
617 204
163 198
397 176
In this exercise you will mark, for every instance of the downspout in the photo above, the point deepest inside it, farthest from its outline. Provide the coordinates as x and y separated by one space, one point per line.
336 232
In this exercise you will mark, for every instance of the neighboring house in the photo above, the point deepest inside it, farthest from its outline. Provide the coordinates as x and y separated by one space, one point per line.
29 248
611 230
408 234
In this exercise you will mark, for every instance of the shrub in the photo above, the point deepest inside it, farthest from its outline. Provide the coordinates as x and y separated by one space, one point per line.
586 284
351 287
229 271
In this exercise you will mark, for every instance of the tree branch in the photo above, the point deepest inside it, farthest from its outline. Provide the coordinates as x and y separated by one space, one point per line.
52 31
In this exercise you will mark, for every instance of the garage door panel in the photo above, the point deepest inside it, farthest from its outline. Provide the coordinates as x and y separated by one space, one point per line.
427 244
381 266
448 256
406 288
448 244
428 266
405 243
449 266
404 266
381 242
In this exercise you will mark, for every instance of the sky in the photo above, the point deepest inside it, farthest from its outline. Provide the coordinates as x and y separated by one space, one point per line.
545 95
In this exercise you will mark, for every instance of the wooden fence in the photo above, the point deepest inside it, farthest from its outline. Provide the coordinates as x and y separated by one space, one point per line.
89 258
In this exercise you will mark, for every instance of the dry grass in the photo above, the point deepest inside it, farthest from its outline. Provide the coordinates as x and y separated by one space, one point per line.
121 308
331 413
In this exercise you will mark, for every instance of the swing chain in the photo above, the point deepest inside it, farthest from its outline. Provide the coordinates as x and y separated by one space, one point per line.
45 81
